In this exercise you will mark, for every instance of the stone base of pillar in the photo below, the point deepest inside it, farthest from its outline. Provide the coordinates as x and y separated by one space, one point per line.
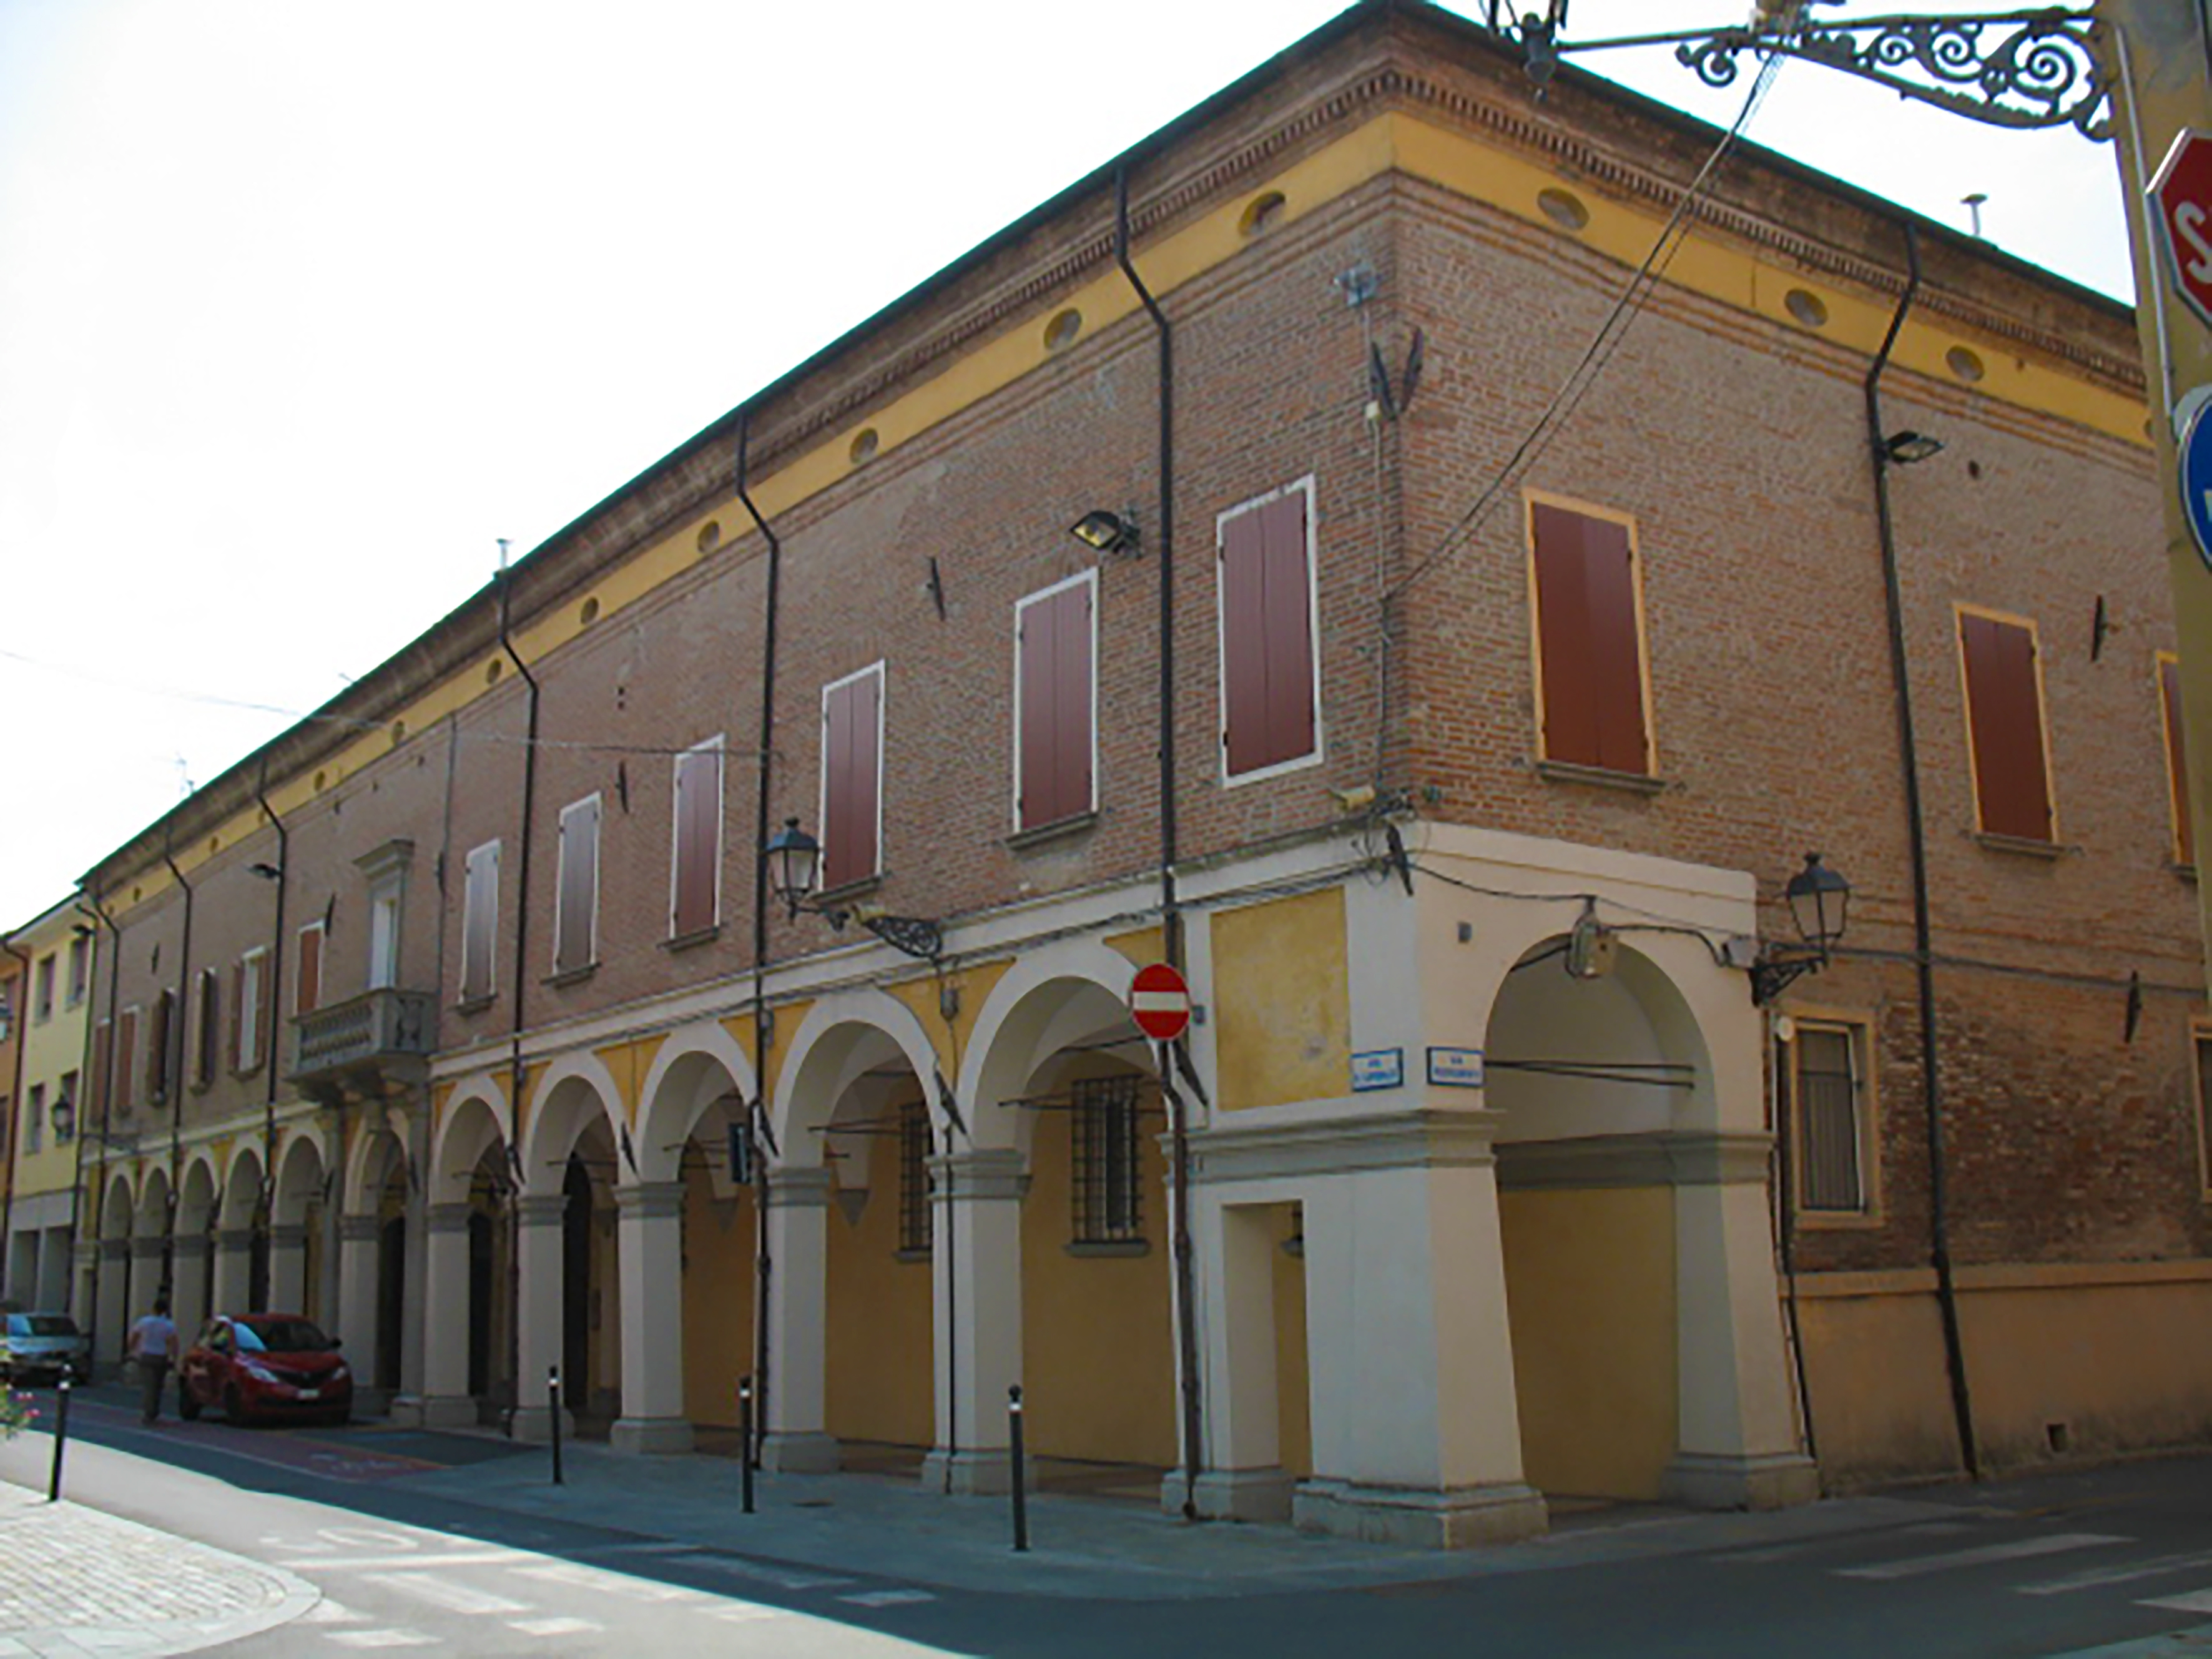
447 1411
371 1402
1233 1494
405 1411
802 1454
652 1435
533 1425
970 1473
1711 1481
1458 1519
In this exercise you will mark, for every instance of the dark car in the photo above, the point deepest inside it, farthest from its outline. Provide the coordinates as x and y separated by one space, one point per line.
263 1367
35 1346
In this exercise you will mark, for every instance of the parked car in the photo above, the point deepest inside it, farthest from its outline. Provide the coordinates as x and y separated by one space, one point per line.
48 1346
263 1366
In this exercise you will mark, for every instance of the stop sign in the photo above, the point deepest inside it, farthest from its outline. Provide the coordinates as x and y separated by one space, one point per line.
2181 208
1159 1001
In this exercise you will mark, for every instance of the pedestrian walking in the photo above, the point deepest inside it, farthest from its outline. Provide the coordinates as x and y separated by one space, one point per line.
152 1346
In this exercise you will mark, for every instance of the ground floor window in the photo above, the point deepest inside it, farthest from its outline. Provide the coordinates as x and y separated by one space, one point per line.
1109 1197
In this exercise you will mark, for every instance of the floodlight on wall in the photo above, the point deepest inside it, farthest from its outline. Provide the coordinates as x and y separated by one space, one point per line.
266 872
1820 904
1910 448
1107 532
794 864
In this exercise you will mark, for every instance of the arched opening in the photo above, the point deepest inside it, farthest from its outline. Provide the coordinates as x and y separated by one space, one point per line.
194 1264
591 1284
241 1271
112 1286
297 1230
1589 1076
390 1214
491 1281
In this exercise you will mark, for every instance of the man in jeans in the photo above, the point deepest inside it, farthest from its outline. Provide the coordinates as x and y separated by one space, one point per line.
153 1346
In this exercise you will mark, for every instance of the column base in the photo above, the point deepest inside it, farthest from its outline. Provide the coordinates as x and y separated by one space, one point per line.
807 1452
1233 1494
652 1435
1715 1480
533 1425
1460 1518
405 1411
969 1474
447 1411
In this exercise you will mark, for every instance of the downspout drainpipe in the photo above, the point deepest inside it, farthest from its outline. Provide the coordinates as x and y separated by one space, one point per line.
20 1016
1170 911
267 1209
1947 1295
521 963
173 1076
107 1097
764 1266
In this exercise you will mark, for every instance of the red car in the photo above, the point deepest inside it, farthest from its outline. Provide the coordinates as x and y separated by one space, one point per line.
265 1365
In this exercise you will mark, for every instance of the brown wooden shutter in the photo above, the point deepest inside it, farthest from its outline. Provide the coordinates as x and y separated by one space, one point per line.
479 921
98 1101
1243 643
2004 711
159 1036
579 880
852 724
698 824
1589 649
237 1015
264 1004
126 1058
210 1027
308 991
1286 605
2177 761
1037 669
1053 643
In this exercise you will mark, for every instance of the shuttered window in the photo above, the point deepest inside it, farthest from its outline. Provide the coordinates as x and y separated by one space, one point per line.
1589 640
1054 696
2202 1042
249 1012
102 1042
852 778
126 1058
209 1029
696 877
2004 723
2177 758
163 1032
576 917
1832 1119
479 922
307 984
1270 683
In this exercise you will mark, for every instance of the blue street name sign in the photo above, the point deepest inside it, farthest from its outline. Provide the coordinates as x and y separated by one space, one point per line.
2197 481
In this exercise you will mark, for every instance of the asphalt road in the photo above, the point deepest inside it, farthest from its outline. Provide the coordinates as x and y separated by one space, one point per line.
2056 1565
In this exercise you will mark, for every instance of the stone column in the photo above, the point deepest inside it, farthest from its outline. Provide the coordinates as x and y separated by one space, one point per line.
233 1269
1244 1479
1738 1440
539 1344
977 1271
287 1269
356 1320
113 1295
1416 1423
145 1275
798 1309
650 1237
447 1402
188 1286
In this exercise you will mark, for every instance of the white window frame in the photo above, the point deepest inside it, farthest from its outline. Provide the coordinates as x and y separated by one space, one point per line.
251 966
79 982
469 993
561 880
1856 1028
1315 757
42 993
821 761
718 744
1088 578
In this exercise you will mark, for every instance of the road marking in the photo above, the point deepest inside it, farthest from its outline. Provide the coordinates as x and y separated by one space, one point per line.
445 1593
2055 1543
1814 1545
745 1613
376 1563
381 1638
2098 1578
2195 1601
331 1612
553 1626
759 1574
610 1583
662 1547
888 1598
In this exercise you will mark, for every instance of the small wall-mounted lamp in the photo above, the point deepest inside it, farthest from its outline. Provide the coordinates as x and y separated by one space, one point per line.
1910 448
63 1116
1820 900
794 862
1107 532
266 872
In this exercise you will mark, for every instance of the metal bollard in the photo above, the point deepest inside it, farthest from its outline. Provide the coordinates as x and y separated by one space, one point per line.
1021 1474
61 1439
553 1399
746 1437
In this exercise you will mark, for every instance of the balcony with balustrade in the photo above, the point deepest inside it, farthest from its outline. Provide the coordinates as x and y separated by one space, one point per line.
368 1047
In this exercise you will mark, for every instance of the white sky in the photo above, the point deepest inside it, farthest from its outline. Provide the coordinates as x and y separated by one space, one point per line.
303 305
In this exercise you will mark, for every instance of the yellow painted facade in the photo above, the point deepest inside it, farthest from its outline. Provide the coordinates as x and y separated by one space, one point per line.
878 1336
721 1235
1281 1004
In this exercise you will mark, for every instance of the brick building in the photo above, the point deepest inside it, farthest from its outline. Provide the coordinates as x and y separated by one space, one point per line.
1464 791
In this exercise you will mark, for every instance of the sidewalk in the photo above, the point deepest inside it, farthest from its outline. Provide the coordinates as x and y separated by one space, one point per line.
76 1582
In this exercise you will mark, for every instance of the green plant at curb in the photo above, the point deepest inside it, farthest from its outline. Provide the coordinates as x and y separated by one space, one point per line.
16 1414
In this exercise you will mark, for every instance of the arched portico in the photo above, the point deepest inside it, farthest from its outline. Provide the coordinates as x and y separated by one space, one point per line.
466 1252
571 1290
114 1286
149 1239
296 1227
192 1272
372 1261
240 1244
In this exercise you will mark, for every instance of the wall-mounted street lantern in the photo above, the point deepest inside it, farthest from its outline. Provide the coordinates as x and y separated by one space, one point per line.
1820 899
1107 532
794 864
1910 448
63 1116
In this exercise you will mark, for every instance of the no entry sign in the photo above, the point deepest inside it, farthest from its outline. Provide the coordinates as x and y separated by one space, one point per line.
1159 1001
2181 207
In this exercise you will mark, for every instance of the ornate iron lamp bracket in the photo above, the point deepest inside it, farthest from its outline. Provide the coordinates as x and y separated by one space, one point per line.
912 935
